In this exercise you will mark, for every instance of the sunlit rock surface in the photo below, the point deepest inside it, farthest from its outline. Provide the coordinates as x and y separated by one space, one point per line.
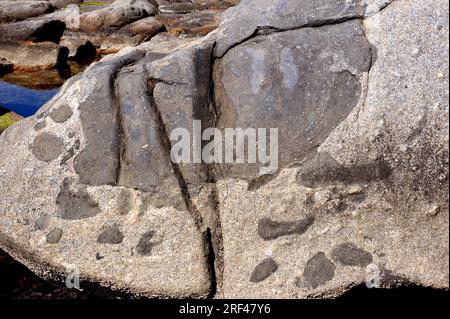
359 92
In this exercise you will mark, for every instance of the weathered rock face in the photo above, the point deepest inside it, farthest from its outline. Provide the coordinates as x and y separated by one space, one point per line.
361 194
304 82
95 156
118 14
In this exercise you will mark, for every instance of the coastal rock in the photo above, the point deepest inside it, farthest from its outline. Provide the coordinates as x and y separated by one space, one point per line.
5 66
19 10
280 81
119 13
381 147
108 25
33 57
363 158
91 195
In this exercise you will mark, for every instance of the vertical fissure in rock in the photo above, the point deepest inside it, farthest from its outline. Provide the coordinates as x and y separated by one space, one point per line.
372 58
121 146
216 249
120 135
213 107
207 235
215 238
211 262
167 145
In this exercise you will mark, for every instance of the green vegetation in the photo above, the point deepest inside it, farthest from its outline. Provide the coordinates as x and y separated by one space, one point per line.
7 120
92 3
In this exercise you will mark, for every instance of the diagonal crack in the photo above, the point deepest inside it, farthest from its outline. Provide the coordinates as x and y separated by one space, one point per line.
260 30
208 236
166 143
215 239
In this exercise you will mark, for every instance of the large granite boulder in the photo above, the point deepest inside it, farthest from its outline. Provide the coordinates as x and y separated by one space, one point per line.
19 10
359 93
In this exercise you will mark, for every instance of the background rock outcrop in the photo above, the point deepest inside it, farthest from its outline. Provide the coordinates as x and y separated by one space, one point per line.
40 34
359 92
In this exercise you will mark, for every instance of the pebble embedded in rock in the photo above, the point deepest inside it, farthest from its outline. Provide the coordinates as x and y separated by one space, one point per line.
125 203
318 270
145 245
325 170
263 270
61 114
47 147
391 280
40 125
355 189
75 203
111 235
42 222
349 254
54 236
269 229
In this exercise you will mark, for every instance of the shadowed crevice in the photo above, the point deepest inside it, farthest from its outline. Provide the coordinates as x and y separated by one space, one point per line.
167 145
51 31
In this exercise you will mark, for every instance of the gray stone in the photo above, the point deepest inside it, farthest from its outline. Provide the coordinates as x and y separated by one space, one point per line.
303 82
181 95
75 203
324 170
145 161
98 162
119 13
111 235
47 147
148 27
40 29
40 125
54 236
89 194
37 56
243 21
349 254
263 270
42 222
61 114
269 229
318 271
146 244
20 10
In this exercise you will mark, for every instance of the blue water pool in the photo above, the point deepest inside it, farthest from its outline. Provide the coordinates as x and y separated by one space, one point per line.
21 100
